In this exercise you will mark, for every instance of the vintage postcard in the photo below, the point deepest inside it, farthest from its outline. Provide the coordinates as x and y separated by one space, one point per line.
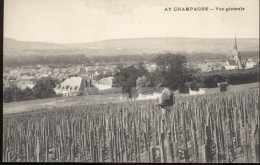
169 81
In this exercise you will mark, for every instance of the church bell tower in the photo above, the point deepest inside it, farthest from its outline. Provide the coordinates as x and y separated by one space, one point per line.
236 55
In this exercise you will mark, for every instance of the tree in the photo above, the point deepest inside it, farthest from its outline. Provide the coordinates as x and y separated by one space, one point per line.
126 78
153 79
28 94
11 94
44 88
141 82
172 71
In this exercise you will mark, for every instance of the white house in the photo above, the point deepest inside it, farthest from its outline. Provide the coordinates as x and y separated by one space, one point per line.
104 83
73 86
154 95
231 65
199 92
250 63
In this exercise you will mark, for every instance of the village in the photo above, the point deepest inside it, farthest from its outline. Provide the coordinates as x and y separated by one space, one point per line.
75 79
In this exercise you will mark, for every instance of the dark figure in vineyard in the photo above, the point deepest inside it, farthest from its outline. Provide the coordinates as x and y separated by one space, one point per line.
166 102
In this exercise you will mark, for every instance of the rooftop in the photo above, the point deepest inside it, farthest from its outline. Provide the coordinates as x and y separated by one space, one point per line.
73 84
232 62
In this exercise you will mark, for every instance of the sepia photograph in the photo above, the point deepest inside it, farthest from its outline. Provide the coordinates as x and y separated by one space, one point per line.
131 81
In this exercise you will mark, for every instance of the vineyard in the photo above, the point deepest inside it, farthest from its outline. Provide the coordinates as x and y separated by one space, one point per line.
220 127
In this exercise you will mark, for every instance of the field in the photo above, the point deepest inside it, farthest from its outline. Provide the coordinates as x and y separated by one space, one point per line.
59 102
220 127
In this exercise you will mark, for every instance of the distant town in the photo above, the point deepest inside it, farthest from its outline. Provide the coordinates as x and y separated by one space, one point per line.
73 79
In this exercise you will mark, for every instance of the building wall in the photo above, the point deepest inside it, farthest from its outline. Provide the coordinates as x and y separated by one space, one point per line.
250 65
155 95
230 67
199 92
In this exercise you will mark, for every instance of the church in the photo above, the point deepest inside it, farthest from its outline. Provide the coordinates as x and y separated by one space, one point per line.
235 61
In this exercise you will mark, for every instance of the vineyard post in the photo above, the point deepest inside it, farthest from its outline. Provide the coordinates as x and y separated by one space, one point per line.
235 126
121 144
47 149
217 139
256 139
138 148
163 160
194 141
257 146
168 147
125 137
176 152
135 143
8 157
186 156
110 147
153 154
147 159
37 150
248 144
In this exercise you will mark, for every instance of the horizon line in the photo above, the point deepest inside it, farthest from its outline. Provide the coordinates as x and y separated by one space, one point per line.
127 39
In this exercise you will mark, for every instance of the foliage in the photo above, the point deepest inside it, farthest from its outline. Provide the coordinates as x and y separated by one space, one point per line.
126 78
13 93
154 78
234 77
42 89
172 71
76 59
141 82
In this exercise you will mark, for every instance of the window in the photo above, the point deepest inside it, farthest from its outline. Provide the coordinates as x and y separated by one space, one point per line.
67 87
70 88
58 87
76 87
62 87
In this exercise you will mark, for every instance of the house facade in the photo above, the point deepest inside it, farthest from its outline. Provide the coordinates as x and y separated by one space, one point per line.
250 63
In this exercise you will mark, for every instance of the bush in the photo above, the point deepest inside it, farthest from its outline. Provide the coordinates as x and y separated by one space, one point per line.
233 77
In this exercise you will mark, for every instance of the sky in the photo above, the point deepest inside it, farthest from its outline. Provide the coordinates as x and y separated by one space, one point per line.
81 21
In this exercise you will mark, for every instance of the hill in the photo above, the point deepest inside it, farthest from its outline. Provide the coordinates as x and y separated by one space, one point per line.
130 46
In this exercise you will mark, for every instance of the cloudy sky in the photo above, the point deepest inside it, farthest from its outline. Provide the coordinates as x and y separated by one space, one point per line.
79 21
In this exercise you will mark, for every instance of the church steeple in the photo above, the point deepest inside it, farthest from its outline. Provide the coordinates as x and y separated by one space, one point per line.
236 55
235 47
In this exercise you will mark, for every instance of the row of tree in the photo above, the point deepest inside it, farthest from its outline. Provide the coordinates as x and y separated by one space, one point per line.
211 79
42 89
171 73
77 59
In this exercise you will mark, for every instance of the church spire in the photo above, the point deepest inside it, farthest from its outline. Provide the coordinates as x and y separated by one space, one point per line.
235 47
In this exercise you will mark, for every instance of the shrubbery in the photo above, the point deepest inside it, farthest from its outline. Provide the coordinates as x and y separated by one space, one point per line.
42 89
234 77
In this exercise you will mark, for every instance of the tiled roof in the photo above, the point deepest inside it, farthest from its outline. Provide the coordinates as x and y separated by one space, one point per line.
73 84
